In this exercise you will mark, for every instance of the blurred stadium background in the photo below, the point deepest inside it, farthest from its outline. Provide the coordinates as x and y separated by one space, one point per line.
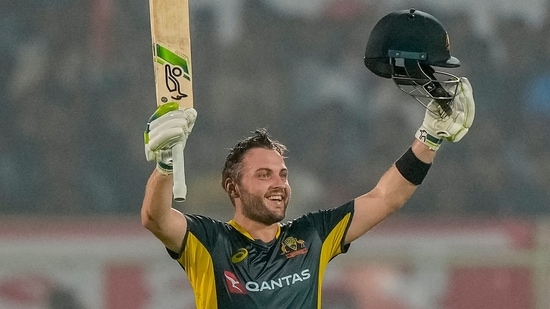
77 89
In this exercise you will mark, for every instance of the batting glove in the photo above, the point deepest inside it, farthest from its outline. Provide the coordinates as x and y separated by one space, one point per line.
166 127
438 126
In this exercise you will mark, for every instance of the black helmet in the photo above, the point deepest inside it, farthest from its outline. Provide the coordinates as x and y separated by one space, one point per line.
409 34
403 45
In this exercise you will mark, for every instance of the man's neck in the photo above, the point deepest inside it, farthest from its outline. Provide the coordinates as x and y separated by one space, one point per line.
256 230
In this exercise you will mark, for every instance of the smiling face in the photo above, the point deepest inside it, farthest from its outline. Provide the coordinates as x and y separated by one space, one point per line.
263 192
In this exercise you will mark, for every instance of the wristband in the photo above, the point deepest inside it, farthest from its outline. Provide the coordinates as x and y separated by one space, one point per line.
411 168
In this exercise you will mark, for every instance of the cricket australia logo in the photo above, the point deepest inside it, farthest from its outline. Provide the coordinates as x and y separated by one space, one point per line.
176 68
292 247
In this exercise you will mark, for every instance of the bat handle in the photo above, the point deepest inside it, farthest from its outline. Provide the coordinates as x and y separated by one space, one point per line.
180 187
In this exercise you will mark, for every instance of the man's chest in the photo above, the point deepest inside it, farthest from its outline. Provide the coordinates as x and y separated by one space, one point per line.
291 260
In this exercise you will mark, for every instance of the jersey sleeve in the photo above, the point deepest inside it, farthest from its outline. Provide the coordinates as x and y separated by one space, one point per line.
197 258
332 225
201 231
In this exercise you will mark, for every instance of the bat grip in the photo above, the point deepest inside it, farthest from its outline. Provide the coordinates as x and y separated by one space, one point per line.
180 187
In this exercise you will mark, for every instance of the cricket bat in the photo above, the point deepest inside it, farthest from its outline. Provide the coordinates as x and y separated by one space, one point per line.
171 38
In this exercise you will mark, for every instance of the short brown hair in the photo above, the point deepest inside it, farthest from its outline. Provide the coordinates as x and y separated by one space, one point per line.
259 139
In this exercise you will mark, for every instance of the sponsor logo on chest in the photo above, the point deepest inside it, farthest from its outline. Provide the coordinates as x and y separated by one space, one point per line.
236 286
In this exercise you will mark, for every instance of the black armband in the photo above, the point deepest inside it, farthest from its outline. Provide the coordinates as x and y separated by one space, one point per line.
412 168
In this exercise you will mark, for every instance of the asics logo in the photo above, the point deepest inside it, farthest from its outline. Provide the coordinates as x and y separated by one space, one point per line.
239 256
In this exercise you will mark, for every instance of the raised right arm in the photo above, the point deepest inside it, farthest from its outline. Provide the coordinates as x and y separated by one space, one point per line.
157 215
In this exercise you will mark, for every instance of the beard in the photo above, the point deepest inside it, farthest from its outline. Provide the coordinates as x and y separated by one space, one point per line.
254 208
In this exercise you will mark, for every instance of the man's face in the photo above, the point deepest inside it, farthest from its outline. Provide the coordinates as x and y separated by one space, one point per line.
263 190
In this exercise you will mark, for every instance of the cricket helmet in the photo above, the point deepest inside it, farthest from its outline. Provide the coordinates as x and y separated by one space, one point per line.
404 45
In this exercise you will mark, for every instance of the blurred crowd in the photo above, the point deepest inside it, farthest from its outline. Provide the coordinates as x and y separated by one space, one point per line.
77 90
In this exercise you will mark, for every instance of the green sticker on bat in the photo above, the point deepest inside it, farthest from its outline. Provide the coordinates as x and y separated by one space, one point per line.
164 54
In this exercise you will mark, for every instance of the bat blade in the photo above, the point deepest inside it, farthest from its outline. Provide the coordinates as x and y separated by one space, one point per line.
171 50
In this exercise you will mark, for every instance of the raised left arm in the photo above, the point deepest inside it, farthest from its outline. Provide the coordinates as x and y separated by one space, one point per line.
398 184
390 194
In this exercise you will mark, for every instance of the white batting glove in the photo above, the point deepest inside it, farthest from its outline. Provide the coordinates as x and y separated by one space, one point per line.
437 126
166 127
